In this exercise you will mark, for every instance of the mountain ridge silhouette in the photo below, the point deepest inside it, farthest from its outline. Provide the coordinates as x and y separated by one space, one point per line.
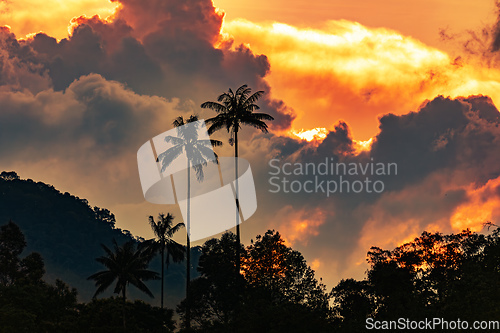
68 233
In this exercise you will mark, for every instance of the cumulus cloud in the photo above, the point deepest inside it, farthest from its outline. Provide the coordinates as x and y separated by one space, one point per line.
351 72
158 49
51 16
196 19
447 177
84 137
16 72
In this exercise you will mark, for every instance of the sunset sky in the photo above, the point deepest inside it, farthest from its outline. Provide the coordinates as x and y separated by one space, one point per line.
411 83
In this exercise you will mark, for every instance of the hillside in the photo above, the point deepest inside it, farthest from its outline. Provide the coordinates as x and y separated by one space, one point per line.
67 232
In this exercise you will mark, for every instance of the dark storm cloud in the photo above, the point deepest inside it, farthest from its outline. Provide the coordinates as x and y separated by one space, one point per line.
162 48
444 134
439 150
172 18
95 47
283 115
92 117
421 142
19 68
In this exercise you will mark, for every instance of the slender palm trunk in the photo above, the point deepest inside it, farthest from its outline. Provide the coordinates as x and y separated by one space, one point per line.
238 240
162 270
188 257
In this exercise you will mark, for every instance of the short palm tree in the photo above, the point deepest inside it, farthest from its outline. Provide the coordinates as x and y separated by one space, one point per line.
164 230
125 265
198 152
235 109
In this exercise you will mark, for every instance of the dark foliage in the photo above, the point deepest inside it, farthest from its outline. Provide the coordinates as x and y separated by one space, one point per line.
276 292
105 315
68 234
29 304
435 276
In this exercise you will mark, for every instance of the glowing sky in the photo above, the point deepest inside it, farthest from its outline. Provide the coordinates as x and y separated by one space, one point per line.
347 67
419 19
355 79
53 16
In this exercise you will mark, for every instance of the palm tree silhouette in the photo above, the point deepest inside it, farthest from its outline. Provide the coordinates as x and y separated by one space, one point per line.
233 110
197 152
127 265
164 230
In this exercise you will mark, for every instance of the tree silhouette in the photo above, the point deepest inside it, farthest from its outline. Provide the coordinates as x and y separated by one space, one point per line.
354 301
197 152
235 109
215 289
13 269
435 275
164 230
27 303
276 293
127 265
9 175
12 244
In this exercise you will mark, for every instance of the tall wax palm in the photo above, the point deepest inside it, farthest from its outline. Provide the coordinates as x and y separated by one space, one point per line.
125 265
235 109
164 229
197 151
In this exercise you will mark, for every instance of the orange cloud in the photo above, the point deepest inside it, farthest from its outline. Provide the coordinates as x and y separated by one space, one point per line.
351 72
420 19
51 16
315 264
318 134
299 226
483 206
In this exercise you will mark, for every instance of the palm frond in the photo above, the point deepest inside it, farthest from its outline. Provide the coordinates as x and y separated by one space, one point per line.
217 122
241 90
255 123
261 116
171 231
106 261
255 96
198 168
180 121
217 107
154 226
107 250
207 153
125 264
102 284
237 109
175 251
209 143
216 143
174 140
142 287
168 156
